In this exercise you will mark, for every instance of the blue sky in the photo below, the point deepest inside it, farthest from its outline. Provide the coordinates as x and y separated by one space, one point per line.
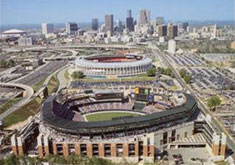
59 11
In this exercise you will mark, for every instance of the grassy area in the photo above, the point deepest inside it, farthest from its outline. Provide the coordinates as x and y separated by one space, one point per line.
67 75
38 85
53 84
221 163
9 104
174 88
22 113
108 116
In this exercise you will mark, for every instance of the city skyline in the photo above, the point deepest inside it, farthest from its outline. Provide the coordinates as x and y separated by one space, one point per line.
27 12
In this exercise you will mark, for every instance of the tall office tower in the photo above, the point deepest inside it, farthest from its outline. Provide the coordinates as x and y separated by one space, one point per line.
109 23
160 20
118 23
172 31
47 28
95 24
129 15
144 17
185 26
129 21
162 30
118 26
71 28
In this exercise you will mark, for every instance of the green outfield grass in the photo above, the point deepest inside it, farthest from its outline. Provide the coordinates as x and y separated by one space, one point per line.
108 116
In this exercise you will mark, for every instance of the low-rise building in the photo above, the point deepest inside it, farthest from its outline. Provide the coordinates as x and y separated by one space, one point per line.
233 45
25 41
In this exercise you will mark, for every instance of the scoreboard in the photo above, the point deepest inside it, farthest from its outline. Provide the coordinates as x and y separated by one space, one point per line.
142 94
116 95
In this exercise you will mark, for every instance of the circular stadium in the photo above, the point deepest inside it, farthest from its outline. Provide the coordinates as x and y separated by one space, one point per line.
111 114
105 66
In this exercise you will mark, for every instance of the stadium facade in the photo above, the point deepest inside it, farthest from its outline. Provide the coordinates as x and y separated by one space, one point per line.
104 66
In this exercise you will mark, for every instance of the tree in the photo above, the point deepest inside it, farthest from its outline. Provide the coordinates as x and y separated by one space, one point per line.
231 87
213 102
166 71
160 70
233 64
182 72
187 79
11 63
11 159
7 64
151 72
78 75
3 64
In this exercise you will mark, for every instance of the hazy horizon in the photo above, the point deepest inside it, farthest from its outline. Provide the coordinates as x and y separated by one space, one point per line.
15 12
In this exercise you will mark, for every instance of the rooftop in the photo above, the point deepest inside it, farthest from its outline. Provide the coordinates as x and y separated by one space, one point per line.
14 31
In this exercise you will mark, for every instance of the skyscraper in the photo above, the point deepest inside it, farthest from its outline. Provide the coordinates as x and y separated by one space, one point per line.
160 20
71 28
47 28
144 17
109 23
129 15
172 31
185 26
118 26
162 30
129 21
119 23
95 24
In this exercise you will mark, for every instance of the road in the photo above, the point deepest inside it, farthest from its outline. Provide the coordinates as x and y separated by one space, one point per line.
29 91
29 94
62 80
25 100
214 121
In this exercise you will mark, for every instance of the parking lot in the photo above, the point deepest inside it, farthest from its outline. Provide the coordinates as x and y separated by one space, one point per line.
186 60
208 79
196 156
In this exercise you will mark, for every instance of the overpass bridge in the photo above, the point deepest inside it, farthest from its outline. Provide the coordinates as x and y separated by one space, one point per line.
27 96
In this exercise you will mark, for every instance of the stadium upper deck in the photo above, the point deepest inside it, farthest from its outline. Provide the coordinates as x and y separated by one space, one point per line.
120 66
146 122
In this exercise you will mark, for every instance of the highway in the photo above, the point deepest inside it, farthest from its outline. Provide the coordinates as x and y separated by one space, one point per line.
62 80
29 91
203 108
25 100
29 94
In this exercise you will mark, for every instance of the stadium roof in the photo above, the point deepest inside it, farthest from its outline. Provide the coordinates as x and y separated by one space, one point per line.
14 31
106 91
82 62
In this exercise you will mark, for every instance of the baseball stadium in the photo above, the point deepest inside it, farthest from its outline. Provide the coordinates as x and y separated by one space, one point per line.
119 125
104 66
111 124
80 116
